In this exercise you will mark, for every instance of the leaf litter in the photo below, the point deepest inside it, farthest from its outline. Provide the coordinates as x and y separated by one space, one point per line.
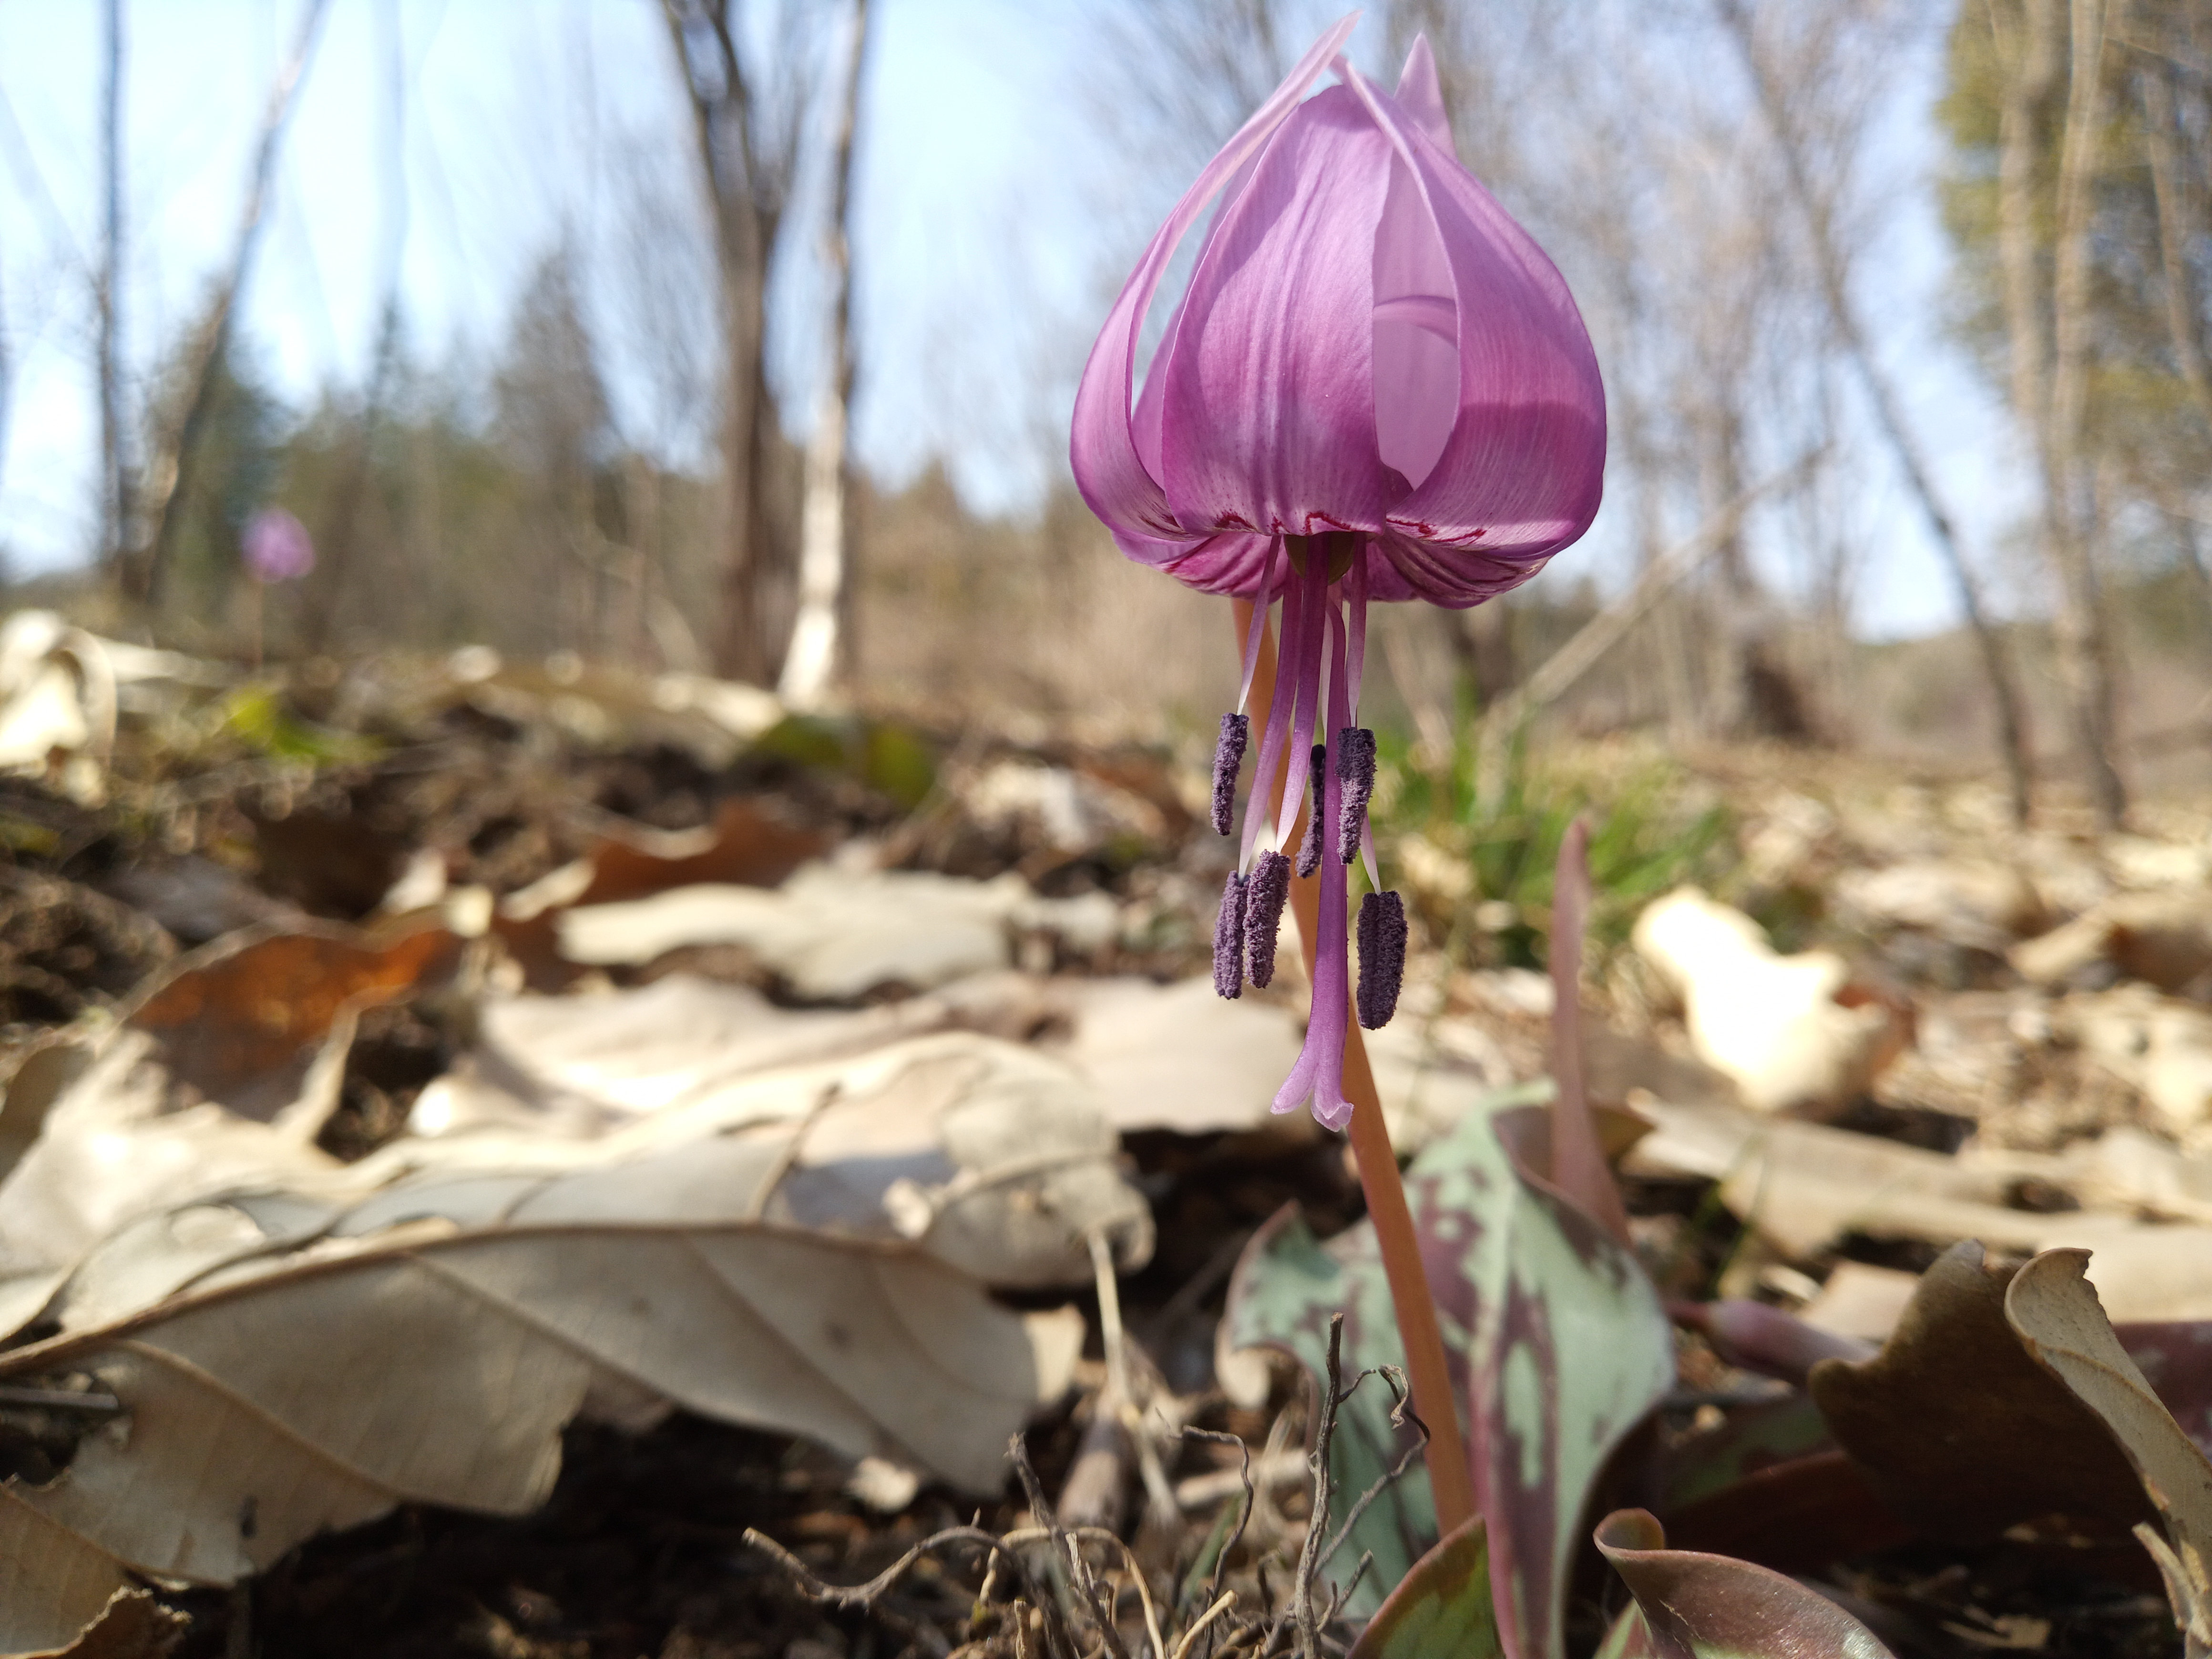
482 1144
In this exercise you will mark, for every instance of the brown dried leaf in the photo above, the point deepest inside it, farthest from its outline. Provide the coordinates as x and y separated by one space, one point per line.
1937 1419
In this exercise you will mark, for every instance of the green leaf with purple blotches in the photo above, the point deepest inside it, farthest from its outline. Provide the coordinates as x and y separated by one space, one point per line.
1691 1606
1555 1334
1442 1609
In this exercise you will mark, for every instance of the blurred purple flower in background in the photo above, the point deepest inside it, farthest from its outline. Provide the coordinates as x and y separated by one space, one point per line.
1376 386
277 547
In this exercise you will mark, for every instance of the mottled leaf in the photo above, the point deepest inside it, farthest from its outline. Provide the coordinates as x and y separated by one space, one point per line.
1754 1438
1557 1341
1442 1609
1693 1606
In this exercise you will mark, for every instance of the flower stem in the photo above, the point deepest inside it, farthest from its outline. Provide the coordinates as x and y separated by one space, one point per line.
1450 1475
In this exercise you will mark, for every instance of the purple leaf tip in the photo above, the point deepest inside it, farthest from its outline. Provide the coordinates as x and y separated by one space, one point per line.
1355 772
1310 848
1381 958
1265 895
1229 940
1227 761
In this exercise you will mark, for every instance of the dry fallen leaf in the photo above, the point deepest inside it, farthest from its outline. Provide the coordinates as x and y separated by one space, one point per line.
469 1322
1803 1185
1938 1418
2162 935
2056 1313
1790 1031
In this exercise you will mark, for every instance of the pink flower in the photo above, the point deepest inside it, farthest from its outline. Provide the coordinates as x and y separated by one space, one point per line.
277 547
1376 386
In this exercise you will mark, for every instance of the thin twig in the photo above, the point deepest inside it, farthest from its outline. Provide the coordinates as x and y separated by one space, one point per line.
1401 1414
864 1596
1227 1600
1244 1516
1121 1397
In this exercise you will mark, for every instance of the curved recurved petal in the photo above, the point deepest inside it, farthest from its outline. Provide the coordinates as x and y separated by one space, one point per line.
1232 563
1269 419
1102 448
1421 95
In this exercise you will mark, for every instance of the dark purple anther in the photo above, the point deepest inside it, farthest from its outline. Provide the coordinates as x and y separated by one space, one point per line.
1381 958
1229 940
1355 771
1310 848
1265 894
1227 761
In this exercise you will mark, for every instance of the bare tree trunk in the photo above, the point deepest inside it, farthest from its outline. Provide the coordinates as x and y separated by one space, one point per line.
2084 642
1997 660
2173 233
114 467
173 475
825 542
747 184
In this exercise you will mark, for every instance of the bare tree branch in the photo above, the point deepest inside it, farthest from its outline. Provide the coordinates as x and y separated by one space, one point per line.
173 478
1835 286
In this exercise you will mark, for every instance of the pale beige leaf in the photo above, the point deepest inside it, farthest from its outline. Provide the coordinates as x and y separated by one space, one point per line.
2053 1307
292 1392
53 1583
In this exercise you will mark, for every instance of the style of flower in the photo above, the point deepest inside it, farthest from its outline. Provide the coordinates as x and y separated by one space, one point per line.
1376 387
277 547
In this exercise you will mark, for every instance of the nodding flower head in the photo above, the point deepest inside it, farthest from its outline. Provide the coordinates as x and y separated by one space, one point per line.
1376 387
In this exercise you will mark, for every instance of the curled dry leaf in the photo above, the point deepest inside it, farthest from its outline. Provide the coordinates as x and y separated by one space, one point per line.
2054 1311
1555 1335
1938 1419
1709 1606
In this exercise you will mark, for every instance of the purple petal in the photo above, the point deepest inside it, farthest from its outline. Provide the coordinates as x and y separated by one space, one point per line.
1268 423
1416 350
1522 472
1102 447
1421 95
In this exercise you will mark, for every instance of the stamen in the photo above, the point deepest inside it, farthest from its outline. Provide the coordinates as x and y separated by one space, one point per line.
1229 941
1355 591
1381 958
1310 848
1227 761
1306 651
1265 894
1279 720
1355 770
1266 597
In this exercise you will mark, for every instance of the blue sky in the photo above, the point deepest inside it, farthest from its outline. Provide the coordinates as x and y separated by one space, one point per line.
984 250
